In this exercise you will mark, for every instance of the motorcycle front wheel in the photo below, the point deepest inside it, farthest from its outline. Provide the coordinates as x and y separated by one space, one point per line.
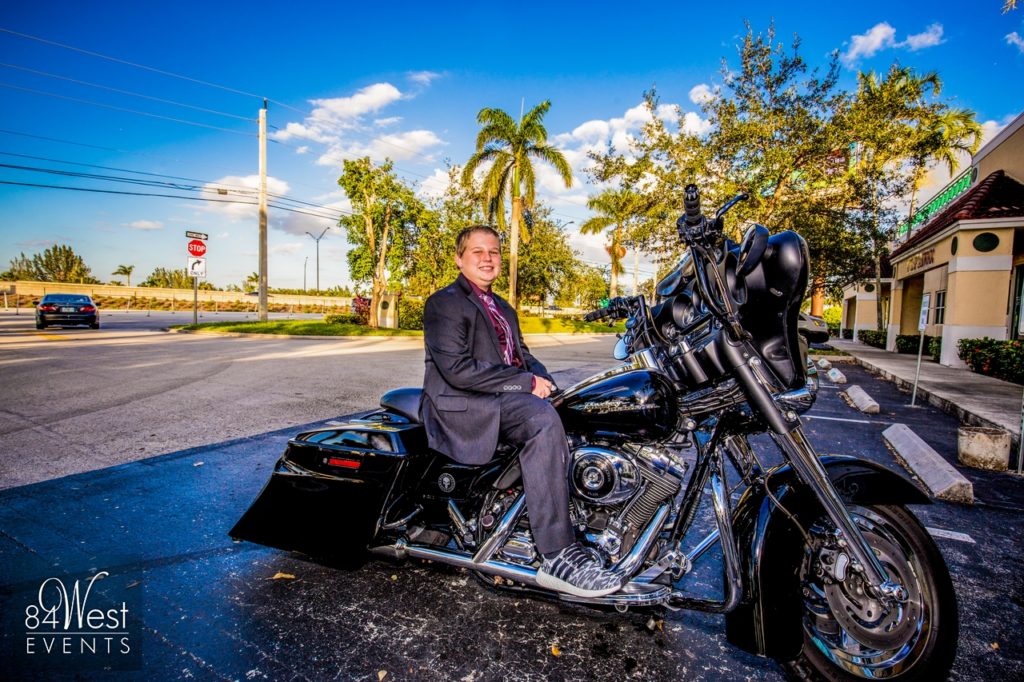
848 635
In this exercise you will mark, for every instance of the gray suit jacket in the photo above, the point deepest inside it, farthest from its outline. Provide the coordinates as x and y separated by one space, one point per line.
465 373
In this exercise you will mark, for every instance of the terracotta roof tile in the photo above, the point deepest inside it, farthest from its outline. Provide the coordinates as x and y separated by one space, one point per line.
997 196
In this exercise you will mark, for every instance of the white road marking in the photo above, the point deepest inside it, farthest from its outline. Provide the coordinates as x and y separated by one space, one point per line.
950 535
841 419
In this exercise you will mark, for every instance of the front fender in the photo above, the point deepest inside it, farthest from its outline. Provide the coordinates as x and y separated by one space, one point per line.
767 621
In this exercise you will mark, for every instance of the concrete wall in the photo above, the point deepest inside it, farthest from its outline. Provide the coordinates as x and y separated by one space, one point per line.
35 290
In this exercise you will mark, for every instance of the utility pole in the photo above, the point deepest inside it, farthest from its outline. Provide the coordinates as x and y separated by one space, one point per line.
317 240
262 286
304 264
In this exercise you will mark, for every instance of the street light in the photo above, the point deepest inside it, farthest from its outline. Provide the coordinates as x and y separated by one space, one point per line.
317 240
304 264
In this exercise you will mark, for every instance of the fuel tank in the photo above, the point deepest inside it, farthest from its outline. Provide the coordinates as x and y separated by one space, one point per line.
624 401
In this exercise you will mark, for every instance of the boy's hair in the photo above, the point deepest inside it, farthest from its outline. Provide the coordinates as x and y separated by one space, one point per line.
463 237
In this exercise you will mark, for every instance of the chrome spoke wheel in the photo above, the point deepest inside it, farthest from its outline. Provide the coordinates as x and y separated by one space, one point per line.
848 628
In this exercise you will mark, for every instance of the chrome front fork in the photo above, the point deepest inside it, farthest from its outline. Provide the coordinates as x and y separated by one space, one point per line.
805 461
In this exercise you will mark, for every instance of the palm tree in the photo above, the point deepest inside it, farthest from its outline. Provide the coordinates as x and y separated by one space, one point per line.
510 145
615 208
940 136
124 271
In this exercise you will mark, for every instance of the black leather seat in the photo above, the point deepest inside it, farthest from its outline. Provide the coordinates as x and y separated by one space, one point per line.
403 401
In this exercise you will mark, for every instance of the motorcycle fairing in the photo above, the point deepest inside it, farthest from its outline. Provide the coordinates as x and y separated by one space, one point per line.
767 621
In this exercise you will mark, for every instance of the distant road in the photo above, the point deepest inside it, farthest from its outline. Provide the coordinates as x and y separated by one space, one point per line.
24 320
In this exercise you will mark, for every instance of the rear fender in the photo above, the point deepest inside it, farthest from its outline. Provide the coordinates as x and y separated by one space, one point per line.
330 488
767 621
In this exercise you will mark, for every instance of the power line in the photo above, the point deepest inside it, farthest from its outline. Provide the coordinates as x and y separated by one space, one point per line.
169 196
125 109
147 68
241 189
126 92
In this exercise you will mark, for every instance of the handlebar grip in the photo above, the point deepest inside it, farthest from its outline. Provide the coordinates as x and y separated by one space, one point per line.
691 204
595 315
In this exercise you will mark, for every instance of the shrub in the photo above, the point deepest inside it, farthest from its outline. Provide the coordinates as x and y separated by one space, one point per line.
848 334
410 313
833 331
999 359
342 318
361 309
872 337
909 343
935 347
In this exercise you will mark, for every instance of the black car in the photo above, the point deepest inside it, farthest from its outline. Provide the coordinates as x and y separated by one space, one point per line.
66 309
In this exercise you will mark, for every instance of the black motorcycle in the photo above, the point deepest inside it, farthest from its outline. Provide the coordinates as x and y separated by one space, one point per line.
825 570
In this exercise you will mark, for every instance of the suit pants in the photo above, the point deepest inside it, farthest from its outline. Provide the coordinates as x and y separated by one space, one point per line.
532 425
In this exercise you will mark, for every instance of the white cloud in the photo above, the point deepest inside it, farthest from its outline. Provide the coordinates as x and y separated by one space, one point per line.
435 186
932 36
304 149
397 146
391 120
882 36
1015 40
332 116
701 93
287 248
146 225
231 195
423 77
878 37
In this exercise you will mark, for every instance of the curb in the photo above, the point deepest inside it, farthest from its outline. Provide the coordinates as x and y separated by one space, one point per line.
947 406
940 477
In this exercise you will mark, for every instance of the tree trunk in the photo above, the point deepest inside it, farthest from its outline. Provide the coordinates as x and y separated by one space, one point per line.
818 297
513 246
878 292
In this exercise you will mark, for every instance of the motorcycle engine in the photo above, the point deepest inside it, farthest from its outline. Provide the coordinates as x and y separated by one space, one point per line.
617 490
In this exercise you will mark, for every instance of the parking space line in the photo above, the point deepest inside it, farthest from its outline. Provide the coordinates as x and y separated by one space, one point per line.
841 419
950 535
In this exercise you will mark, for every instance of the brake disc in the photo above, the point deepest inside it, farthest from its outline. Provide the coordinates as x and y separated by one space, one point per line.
868 620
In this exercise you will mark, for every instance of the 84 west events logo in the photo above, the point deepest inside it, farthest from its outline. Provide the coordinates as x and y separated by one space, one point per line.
82 623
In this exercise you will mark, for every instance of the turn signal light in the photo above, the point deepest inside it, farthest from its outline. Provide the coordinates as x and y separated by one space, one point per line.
344 463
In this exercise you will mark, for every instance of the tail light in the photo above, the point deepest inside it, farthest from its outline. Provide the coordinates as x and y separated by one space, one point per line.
48 308
87 309
344 462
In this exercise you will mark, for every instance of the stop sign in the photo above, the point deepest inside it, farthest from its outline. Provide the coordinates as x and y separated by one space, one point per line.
196 247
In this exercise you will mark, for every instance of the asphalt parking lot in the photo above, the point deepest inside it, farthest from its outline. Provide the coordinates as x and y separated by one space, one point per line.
204 607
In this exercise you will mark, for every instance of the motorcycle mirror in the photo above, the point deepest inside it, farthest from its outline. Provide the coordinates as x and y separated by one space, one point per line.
752 248
621 351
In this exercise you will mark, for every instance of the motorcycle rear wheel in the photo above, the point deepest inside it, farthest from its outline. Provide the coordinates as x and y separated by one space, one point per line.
849 636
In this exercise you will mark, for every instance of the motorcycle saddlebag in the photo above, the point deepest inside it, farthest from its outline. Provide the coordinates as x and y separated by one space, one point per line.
330 487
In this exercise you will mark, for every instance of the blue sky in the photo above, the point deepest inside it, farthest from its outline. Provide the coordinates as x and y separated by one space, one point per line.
403 80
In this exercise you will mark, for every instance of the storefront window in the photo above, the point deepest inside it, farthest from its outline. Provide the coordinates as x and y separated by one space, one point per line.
940 307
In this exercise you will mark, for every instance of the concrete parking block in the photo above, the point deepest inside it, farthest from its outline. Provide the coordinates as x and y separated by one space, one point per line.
835 376
861 400
824 364
939 476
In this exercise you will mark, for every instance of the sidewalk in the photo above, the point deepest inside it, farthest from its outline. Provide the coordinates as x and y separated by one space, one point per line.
976 399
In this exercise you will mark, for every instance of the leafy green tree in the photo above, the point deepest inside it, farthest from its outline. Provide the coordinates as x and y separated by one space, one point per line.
433 246
548 260
164 278
620 210
384 213
585 289
21 268
895 126
124 271
508 145
60 263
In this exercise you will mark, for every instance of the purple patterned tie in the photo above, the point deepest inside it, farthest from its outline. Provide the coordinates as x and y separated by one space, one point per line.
503 329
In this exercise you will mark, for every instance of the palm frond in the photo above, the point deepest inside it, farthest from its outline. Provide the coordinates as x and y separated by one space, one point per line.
597 224
555 157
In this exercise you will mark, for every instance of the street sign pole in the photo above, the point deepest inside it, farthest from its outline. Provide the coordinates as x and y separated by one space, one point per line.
195 300
921 324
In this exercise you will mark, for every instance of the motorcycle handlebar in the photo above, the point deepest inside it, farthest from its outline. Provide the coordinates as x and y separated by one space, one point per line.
614 307
691 205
